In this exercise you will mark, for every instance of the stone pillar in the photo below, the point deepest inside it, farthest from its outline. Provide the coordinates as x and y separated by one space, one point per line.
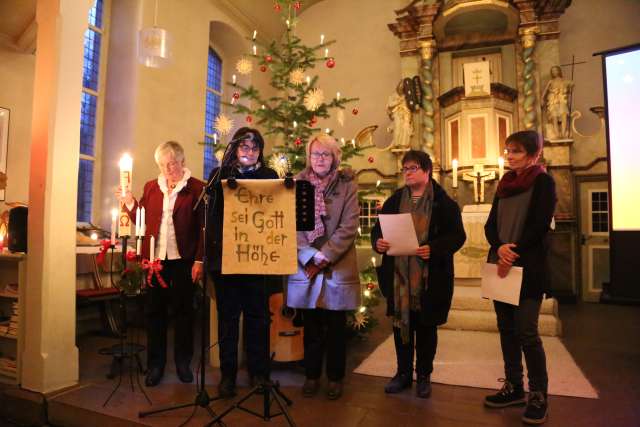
529 89
50 357
427 51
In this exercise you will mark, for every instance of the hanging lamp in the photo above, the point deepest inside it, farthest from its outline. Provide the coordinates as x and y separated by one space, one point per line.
154 44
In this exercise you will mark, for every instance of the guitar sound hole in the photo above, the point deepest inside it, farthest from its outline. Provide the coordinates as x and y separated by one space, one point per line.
288 312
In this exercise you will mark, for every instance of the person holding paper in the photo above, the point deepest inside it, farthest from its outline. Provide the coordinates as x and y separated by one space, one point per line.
171 223
238 293
419 287
327 283
516 229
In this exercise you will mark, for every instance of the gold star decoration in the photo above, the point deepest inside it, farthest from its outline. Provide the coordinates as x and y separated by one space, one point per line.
359 320
296 77
314 99
223 124
280 163
244 66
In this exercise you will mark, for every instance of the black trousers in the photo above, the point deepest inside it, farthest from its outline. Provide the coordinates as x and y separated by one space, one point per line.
424 338
245 294
325 332
518 327
179 297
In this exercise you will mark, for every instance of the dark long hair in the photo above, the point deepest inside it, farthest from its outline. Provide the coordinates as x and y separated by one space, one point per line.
231 159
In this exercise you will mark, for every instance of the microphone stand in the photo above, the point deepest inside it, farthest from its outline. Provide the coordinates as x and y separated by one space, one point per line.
202 398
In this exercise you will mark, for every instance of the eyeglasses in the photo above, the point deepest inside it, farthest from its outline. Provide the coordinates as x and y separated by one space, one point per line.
412 169
323 155
247 148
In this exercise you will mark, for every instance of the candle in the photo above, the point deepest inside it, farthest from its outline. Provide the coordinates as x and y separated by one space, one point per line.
377 183
321 38
143 220
288 23
126 168
138 221
233 79
295 124
1 241
255 50
342 141
327 131
255 33
373 261
308 80
114 217
338 96
215 138
454 172
326 52
138 245
500 167
353 142
152 244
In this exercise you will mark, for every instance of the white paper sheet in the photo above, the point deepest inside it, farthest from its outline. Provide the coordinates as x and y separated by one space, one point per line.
505 289
398 230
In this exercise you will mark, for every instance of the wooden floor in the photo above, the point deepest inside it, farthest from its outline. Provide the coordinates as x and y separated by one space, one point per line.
604 340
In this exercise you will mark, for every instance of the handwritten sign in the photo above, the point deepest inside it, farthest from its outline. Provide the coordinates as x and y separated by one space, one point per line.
259 231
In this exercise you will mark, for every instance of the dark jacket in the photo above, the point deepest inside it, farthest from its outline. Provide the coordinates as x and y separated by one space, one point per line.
186 223
446 236
532 245
216 212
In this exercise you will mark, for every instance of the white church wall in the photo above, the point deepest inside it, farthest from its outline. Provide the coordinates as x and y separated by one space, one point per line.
16 93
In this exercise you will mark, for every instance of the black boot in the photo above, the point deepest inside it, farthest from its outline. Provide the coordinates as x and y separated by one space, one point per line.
423 387
398 383
508 395
227 387
536 411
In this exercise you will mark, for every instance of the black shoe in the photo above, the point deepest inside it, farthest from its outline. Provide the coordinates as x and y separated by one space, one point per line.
536 411
310 387
509 395
227 387
423 387
334 390
153 377
398 383
184 373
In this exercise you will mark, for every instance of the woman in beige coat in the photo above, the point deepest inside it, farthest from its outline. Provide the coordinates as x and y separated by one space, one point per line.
327 283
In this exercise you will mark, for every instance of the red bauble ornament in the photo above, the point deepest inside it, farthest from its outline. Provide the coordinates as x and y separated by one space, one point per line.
236 95
249 119
277 7
298 142
330 63
371 286
354 111
370 159
296 5
263 68
268 58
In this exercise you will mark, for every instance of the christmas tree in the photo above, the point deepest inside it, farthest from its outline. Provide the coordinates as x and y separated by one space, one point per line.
291 117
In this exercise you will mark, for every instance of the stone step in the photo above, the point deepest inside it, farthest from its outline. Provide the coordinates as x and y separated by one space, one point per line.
485 321
468 298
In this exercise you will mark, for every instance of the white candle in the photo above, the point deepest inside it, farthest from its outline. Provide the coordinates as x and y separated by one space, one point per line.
377 183
373 261
342 141
138 246
215 138
138 221
114 217
152 244
308 80
233 79
454 172
143 220
500 167
353 142
326 52
327 131
255 33
321 38
255 50
295 124
338 96
126 169
288 23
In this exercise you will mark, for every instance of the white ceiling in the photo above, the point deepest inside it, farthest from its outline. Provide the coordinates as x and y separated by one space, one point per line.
16 18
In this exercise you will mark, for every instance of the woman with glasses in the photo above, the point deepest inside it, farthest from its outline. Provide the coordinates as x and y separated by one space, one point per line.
238 293
327 283
419 288
516 229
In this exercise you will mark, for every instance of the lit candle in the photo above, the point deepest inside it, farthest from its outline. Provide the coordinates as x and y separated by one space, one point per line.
288 23
295 124
338 96
327 131
114 217
326 52
342 141
126 168
321 38
233 79
152 248
143 220
454 172
255 50
363 309
308 80
500 167
138 246
138 221
255 33
373 261
353 142
377 183
215 138
359 231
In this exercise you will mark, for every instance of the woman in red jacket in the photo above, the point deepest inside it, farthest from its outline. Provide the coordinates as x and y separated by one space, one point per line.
170 219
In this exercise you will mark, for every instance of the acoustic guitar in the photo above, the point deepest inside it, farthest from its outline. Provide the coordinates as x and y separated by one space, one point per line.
286 339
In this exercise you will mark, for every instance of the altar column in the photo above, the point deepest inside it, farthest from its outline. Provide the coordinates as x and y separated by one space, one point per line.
50 357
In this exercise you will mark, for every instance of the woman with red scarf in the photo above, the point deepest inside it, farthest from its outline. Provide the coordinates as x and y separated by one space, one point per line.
517 228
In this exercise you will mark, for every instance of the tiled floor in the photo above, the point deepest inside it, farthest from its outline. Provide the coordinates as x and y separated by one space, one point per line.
604 340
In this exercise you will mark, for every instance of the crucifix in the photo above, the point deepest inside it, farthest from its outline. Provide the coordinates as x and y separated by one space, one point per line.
478 178
573 64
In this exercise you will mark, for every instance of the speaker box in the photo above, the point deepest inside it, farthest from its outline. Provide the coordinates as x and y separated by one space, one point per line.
18 229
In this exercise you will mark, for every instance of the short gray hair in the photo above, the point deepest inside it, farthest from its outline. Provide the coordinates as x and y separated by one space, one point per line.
170 147
329 142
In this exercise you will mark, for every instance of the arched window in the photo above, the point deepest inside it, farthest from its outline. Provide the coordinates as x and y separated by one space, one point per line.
214 94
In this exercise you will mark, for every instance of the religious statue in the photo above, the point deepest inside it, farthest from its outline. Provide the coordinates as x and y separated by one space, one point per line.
399 112
555 101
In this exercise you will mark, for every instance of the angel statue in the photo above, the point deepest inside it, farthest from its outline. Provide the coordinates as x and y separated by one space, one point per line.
555 101
400 114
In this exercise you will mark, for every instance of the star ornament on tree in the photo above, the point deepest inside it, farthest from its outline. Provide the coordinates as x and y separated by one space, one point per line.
314 99
296 77
223 124
244 66
359 320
